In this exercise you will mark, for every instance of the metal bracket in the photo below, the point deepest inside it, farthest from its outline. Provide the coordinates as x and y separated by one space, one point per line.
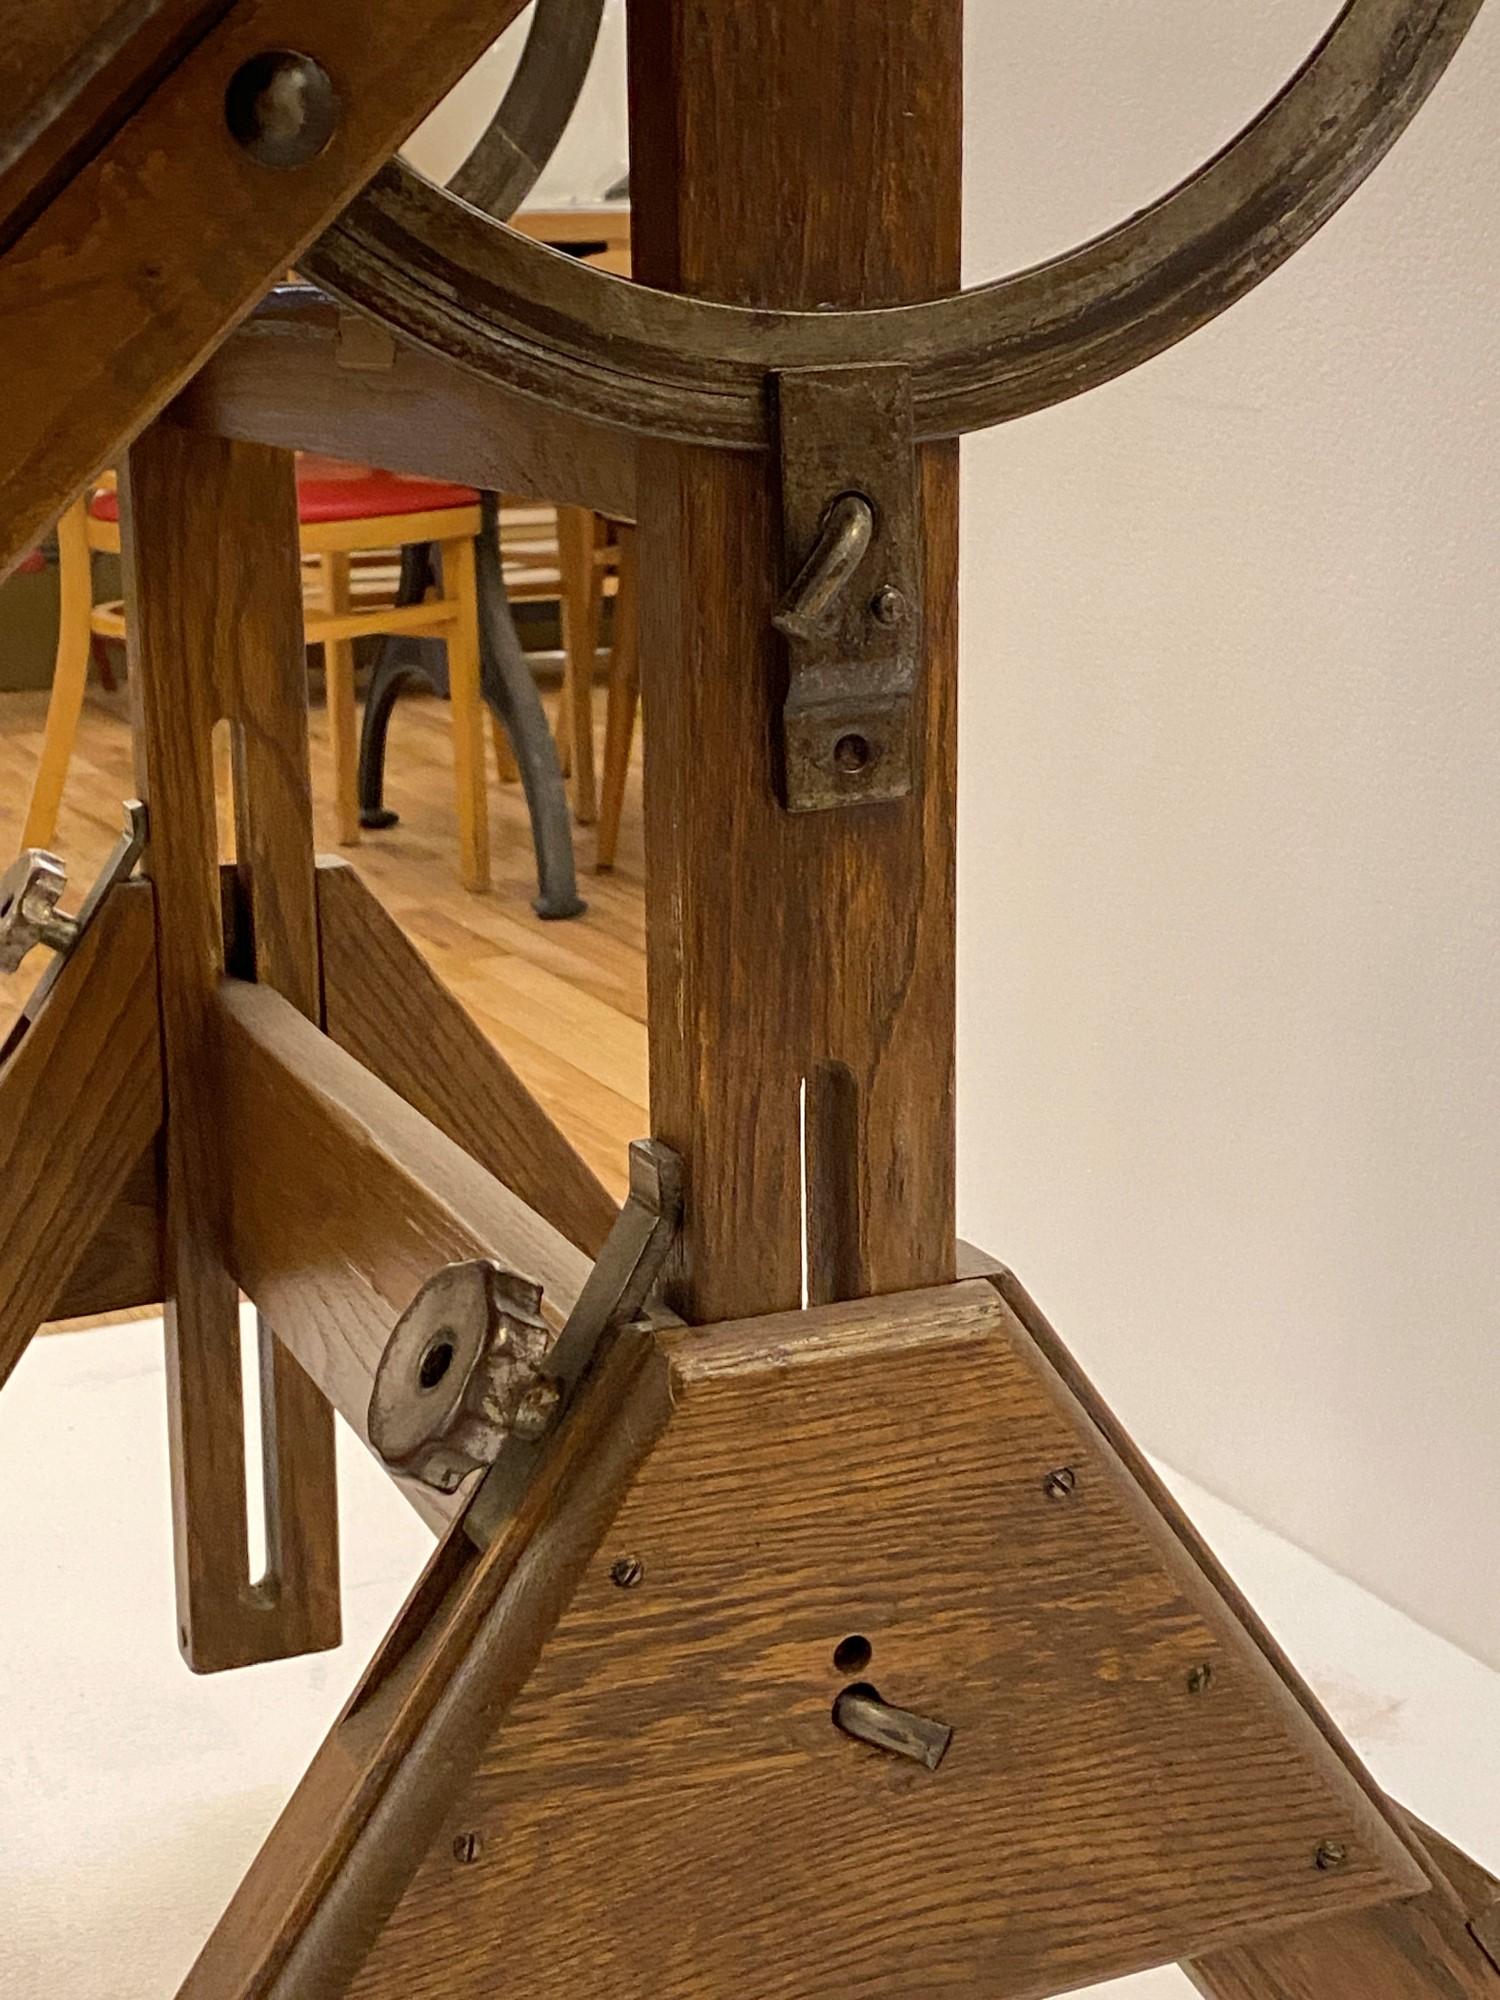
614 1293
852 616
29 893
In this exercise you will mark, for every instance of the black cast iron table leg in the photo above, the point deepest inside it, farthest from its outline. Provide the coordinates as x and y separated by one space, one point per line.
510 689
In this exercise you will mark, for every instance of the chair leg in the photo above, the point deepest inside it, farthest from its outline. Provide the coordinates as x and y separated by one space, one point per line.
624 700
505 757
70 675
467 706
576 540
401 663
343 721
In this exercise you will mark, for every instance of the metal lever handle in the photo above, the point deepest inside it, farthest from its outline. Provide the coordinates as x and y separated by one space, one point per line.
29 916
860 1712
812 603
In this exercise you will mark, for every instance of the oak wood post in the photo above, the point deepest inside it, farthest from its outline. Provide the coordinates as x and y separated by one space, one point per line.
215 630
797 153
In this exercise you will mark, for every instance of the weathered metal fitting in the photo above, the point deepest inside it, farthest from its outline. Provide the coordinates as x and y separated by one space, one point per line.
282 108
851 617
30 890
462 1372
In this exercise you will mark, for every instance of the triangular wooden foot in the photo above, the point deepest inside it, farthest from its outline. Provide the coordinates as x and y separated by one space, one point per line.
602 1758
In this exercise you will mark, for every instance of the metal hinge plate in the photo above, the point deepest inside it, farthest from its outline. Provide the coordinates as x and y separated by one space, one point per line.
852 616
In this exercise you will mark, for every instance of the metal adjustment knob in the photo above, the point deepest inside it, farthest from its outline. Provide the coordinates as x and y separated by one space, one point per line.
29 892
461 1373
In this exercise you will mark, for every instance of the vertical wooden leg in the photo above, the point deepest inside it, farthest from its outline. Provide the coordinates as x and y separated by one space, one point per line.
577 534
343 722
70 676
215 628
505 758
624 699
467 706
807 957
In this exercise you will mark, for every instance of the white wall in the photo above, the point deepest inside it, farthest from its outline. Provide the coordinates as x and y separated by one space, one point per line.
1230 852
1231 749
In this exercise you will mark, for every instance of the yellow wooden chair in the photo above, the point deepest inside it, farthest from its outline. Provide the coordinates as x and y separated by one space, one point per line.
343 510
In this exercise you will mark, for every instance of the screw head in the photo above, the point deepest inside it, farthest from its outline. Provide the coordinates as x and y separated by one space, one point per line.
852 754
467 1847
627 1572
1331 1855
889 606
1200 1678
1060 1483
281 106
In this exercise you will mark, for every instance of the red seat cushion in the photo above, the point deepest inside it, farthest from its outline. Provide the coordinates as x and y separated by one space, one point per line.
328 490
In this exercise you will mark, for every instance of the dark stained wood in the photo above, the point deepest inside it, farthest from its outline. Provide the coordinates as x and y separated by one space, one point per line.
211 580
166 235
337 1859
80 1098
820 947
71 75
385 1005
346 1201
667 1812
119 1269
282 378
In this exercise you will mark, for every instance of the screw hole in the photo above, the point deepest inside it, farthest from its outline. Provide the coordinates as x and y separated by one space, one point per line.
435 1363
851 754
852 1655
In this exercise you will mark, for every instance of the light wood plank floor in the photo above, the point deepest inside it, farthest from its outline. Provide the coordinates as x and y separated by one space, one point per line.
566 1002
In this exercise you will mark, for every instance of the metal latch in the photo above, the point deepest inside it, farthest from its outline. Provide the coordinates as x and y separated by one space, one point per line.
852 614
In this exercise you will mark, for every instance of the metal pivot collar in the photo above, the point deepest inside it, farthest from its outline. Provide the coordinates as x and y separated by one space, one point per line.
462 1371
471 1366
852 617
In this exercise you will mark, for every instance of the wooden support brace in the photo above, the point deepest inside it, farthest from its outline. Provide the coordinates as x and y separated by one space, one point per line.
215 623
802 987
346 1201
388 1008
172 228
80 1100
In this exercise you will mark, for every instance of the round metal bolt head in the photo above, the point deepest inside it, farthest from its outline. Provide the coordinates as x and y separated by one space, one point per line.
1331 1855
889 606
282 108
852 754
467 1847
1060 1482
628 1572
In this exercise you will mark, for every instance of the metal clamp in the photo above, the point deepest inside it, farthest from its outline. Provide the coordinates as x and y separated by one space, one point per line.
852 618
32 887
614 1294
860 1712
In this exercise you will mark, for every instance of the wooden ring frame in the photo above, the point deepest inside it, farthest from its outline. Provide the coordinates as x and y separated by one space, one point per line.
658 365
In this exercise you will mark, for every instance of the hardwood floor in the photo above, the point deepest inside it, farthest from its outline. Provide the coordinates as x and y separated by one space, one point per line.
565 1002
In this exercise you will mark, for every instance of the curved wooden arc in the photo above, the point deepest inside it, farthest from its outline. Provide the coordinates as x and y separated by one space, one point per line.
659 365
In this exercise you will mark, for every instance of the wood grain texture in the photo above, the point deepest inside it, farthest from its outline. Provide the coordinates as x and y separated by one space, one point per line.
214 623
472 1630
119 1268
668 1811
346 1201
167 234
820 947
1398 1952
388 1009
80 1100
281 378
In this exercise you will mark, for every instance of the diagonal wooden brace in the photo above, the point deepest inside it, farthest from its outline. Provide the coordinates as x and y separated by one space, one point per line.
346 1201
80 1102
